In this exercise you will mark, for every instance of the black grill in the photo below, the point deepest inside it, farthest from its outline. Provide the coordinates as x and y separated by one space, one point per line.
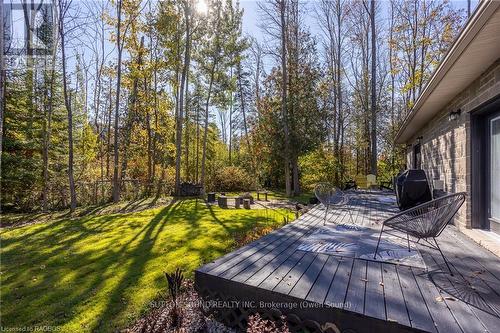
412 189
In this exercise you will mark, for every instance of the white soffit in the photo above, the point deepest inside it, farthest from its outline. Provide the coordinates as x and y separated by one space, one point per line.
477 48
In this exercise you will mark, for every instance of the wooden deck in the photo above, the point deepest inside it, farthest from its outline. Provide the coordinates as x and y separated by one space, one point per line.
331 293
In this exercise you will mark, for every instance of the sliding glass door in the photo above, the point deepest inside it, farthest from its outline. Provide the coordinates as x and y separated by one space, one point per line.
494 172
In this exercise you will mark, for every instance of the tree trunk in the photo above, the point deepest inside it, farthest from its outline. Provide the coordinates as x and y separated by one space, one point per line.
391 70
243 111
257 78
108 138
67 103
179 120
197 143
295 170
116 180
150 146
186 137
155 89
132 114
230 150
205 133
47 128
97 105
284 87
373 160
2 92
29 13
340 115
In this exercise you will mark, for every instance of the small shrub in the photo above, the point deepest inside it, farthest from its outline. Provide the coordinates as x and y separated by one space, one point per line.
159 317
174 289
258 325
231 179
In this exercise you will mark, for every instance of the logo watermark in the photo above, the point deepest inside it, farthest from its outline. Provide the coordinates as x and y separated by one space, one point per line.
29 34
44 328
249 304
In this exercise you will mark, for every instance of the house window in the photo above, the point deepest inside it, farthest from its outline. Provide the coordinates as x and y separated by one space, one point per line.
417 156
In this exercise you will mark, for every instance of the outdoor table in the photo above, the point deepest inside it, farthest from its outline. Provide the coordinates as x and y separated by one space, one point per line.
262 192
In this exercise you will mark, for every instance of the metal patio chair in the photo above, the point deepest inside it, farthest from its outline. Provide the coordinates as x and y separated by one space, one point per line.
425 221
331 197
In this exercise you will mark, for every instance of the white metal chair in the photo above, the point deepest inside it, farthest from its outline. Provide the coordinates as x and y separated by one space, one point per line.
330 197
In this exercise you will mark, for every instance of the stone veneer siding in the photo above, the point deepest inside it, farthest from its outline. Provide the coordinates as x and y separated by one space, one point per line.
446 145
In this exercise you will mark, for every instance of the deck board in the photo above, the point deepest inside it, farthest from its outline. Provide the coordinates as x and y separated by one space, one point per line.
280 273
456 243
437 305
462 311
276 246
338 288
286 285
374 297
355 298
306 281
256 273
363 295
394 300
473 297
417 309
322 284
229 262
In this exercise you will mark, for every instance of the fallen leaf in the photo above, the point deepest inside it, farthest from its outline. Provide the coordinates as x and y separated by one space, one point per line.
448 298
439 299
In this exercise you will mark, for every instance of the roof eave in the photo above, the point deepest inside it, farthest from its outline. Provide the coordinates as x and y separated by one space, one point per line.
480 16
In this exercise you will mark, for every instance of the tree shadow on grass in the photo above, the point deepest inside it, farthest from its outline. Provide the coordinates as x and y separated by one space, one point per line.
183 211
215 218
94 266
63 264
136 268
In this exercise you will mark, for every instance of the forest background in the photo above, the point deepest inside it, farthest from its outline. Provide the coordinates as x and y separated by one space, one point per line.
134 97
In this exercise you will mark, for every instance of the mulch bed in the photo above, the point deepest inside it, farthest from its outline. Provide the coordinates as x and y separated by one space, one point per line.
190 314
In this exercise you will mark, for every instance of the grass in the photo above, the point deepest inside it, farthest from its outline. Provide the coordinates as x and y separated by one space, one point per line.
19 219
99 272
302 198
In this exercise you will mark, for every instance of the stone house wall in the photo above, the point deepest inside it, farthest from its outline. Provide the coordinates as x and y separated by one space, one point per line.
446 145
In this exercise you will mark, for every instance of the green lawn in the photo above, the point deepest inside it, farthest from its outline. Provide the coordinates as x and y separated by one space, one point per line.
99 272
303 198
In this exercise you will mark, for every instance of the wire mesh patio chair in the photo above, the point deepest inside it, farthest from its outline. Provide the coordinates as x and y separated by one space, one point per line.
425 221
331 197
